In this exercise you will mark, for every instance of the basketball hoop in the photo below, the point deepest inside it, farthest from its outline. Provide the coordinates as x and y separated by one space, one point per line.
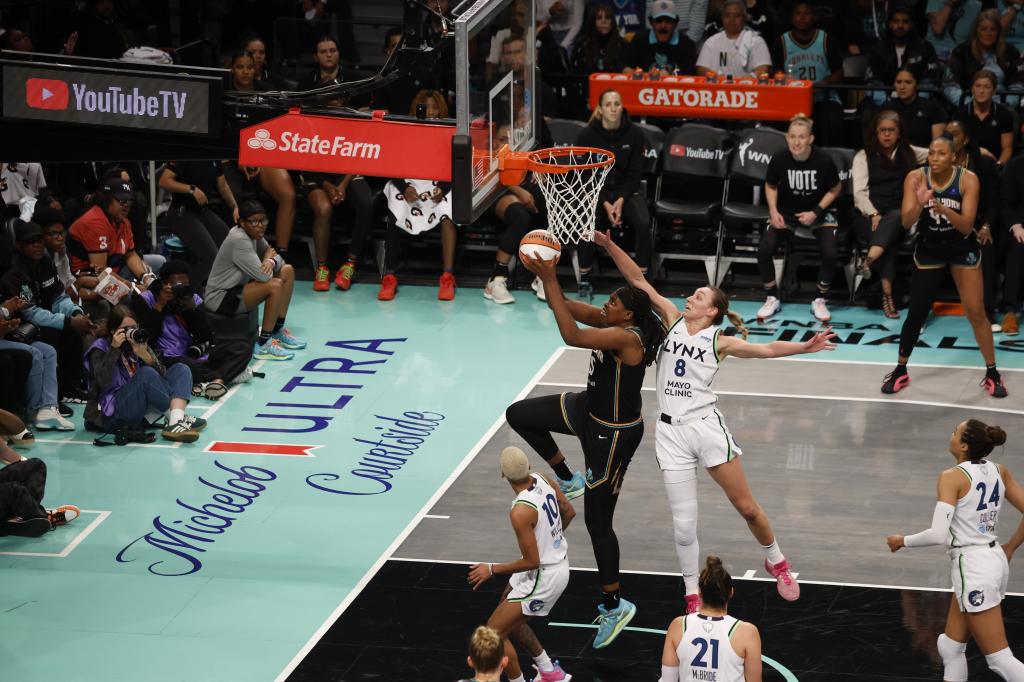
570 179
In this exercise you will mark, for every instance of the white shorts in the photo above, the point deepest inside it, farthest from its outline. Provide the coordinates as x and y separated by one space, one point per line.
979 575
706 441
538 591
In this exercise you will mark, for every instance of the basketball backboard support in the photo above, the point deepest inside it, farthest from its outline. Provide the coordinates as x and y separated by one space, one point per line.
495 57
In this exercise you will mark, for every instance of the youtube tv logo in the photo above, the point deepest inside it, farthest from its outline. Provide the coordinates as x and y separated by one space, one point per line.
46 93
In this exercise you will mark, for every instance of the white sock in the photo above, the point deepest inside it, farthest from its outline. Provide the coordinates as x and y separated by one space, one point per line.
1005 665
543 662
682 500
521 678
772 552
174 416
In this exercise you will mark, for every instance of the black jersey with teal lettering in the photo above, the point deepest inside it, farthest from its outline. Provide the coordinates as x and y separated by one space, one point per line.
613 387
934 228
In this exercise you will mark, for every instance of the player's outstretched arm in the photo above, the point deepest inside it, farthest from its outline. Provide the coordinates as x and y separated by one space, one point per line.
949 491
669 655
1015 494
631 272
740 348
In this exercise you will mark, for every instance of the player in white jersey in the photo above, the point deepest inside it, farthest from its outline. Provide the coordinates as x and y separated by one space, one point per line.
711 645
964 521
18 182
692 431
540 514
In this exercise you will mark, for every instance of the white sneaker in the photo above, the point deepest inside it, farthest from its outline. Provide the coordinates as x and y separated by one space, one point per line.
49 419
820 310
771 306
538 288
244 377
996 328
497 291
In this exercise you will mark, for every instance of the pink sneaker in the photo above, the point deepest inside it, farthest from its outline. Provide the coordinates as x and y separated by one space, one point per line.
556 675
692 603
788 587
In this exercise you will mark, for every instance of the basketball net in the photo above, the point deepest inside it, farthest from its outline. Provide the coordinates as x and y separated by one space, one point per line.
570 178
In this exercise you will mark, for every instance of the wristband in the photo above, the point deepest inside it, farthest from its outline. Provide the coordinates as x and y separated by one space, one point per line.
818 212
490 569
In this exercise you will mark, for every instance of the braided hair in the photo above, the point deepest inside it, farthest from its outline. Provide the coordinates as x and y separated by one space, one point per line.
981 438
652 330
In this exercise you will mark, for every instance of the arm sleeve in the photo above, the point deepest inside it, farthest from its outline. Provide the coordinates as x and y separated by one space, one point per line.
861 199
669 673
245 259
63 305
41 317
942 517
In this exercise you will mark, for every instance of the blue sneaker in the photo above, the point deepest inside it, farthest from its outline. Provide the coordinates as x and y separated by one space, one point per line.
611 623
271 350
285 338
574 487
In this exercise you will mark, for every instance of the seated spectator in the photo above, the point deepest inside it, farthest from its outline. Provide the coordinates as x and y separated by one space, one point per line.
130 388
949 24
799 187
838 18
564 18
761 18
736 50
1012 214
102 237
693 15
808 53
620 200
201 230
81 289
986 122
985 49
60 323
923 118
902 48
328 64
600 49
264 79
878 173
20 184
22 488
40 388
175 321
1011 16
663 49
353 195
418 206
243 72
100 32
967 154
486 655
248 272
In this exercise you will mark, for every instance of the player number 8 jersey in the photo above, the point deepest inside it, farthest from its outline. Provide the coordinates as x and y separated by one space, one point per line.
687 365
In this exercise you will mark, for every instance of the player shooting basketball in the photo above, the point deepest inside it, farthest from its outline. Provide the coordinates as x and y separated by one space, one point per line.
624 335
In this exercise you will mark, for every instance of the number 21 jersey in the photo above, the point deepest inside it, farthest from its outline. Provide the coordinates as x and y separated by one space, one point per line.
705 652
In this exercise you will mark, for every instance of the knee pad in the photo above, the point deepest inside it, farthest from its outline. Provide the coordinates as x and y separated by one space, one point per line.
1005 665
684 523
953 658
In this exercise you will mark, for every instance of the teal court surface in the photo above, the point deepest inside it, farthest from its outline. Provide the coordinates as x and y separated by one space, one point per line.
232 558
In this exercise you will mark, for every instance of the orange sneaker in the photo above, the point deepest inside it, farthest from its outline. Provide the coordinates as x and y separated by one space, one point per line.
1011 326
343 280
321 281
63 514
447 290
388 288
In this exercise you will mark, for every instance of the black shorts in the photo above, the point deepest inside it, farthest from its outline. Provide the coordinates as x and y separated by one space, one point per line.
959 254
607 447
231 304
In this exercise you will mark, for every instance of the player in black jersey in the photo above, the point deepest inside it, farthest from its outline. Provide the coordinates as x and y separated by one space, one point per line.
942 199
625 337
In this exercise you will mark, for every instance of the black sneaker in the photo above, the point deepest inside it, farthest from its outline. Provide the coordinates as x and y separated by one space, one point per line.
895 381
26 528
75 395
65 411
194 423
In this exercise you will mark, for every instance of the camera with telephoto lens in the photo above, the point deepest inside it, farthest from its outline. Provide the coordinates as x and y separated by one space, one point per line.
198 349
136 335
181 296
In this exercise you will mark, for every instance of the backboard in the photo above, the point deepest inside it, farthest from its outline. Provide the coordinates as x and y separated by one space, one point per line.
495 57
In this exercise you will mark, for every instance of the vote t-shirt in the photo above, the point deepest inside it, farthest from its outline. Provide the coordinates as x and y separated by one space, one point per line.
801 184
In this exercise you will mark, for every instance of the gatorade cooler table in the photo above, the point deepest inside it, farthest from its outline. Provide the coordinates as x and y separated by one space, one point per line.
699 97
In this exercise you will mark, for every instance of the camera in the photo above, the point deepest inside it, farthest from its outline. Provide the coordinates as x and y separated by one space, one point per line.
182 291
198 350
136 335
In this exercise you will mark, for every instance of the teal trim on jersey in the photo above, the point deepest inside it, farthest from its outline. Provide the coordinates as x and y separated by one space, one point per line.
529 504
734 626
963 583
536 584
965 472
714 347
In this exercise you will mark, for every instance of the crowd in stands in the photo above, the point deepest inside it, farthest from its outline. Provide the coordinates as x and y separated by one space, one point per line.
94 313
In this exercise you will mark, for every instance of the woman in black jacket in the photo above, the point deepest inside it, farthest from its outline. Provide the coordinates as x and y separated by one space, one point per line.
602 48
620 199
985 49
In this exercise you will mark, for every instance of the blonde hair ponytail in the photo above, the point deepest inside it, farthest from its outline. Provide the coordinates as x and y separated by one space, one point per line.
737 322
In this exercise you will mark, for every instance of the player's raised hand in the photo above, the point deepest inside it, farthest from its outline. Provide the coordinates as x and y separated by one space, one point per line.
821 341
479 574
603 239
545 269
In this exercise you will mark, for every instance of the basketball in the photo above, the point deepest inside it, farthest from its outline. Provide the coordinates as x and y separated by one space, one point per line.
540 244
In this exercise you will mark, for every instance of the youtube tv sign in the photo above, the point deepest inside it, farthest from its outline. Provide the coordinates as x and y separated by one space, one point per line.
109 98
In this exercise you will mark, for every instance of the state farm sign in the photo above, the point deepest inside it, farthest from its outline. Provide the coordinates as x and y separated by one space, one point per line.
365 146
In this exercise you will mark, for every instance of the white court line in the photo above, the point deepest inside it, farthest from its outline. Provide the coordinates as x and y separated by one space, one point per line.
77 540
818 357
744 577
754 394
364 581
435 516
89 442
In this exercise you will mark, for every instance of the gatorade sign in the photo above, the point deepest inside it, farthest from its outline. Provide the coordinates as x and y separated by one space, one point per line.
105 98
